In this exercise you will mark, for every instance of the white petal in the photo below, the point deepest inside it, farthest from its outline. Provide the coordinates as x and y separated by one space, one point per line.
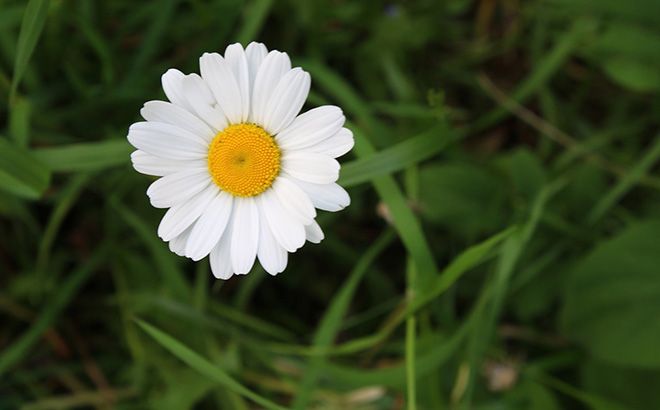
203 104
152 165
271 71
272 256
314 233
286 229
245 236
178 243
161 111
178 218
294 200
310 167
255 53
335 146
173 87
167 141
287 100
311 127
209 227
220 257
329 197
235 57
218 76
175 188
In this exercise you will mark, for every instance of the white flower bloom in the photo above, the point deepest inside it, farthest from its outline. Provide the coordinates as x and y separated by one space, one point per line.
240 171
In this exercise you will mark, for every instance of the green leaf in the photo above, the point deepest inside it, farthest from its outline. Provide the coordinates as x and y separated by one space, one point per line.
525 171
635 75
31 28
465 198
89 156
637 388
626 39
20 172
612 299
203 366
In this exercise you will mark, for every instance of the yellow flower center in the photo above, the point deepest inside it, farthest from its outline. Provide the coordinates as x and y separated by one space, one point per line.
244 160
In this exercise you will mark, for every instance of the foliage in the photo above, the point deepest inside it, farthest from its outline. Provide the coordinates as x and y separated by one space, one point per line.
499 252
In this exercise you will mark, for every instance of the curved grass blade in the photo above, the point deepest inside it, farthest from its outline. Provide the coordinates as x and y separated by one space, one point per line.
203 366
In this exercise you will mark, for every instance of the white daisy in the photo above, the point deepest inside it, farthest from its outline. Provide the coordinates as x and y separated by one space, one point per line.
241 172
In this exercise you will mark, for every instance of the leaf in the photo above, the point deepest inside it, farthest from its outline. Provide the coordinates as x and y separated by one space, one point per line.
637 388
633 74
20 172
203 366
465 198
525 171
89 156
612 300
34 19
626 39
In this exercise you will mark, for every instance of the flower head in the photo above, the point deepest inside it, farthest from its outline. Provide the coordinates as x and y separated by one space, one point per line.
240 171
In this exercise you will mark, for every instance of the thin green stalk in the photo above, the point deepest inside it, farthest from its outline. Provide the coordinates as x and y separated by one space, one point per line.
411 323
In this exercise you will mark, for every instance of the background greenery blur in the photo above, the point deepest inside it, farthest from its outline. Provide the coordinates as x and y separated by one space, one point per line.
502 250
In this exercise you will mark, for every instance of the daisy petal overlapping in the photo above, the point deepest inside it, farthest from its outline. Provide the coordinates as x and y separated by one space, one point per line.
240 170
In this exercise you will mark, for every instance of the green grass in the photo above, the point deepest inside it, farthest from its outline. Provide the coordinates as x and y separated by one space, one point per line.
500 251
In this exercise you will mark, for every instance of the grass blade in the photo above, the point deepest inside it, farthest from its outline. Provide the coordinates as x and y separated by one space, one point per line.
254 18
21 173
90 156
331 321
626 183
34 19
398 157
17 350
162 257
545 69
203 366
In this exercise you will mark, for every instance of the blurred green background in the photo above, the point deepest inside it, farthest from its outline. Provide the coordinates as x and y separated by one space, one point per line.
502 249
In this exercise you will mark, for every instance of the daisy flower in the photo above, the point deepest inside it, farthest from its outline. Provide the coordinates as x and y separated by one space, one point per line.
241 172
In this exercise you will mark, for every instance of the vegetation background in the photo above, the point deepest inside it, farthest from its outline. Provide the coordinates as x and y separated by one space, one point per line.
502 250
